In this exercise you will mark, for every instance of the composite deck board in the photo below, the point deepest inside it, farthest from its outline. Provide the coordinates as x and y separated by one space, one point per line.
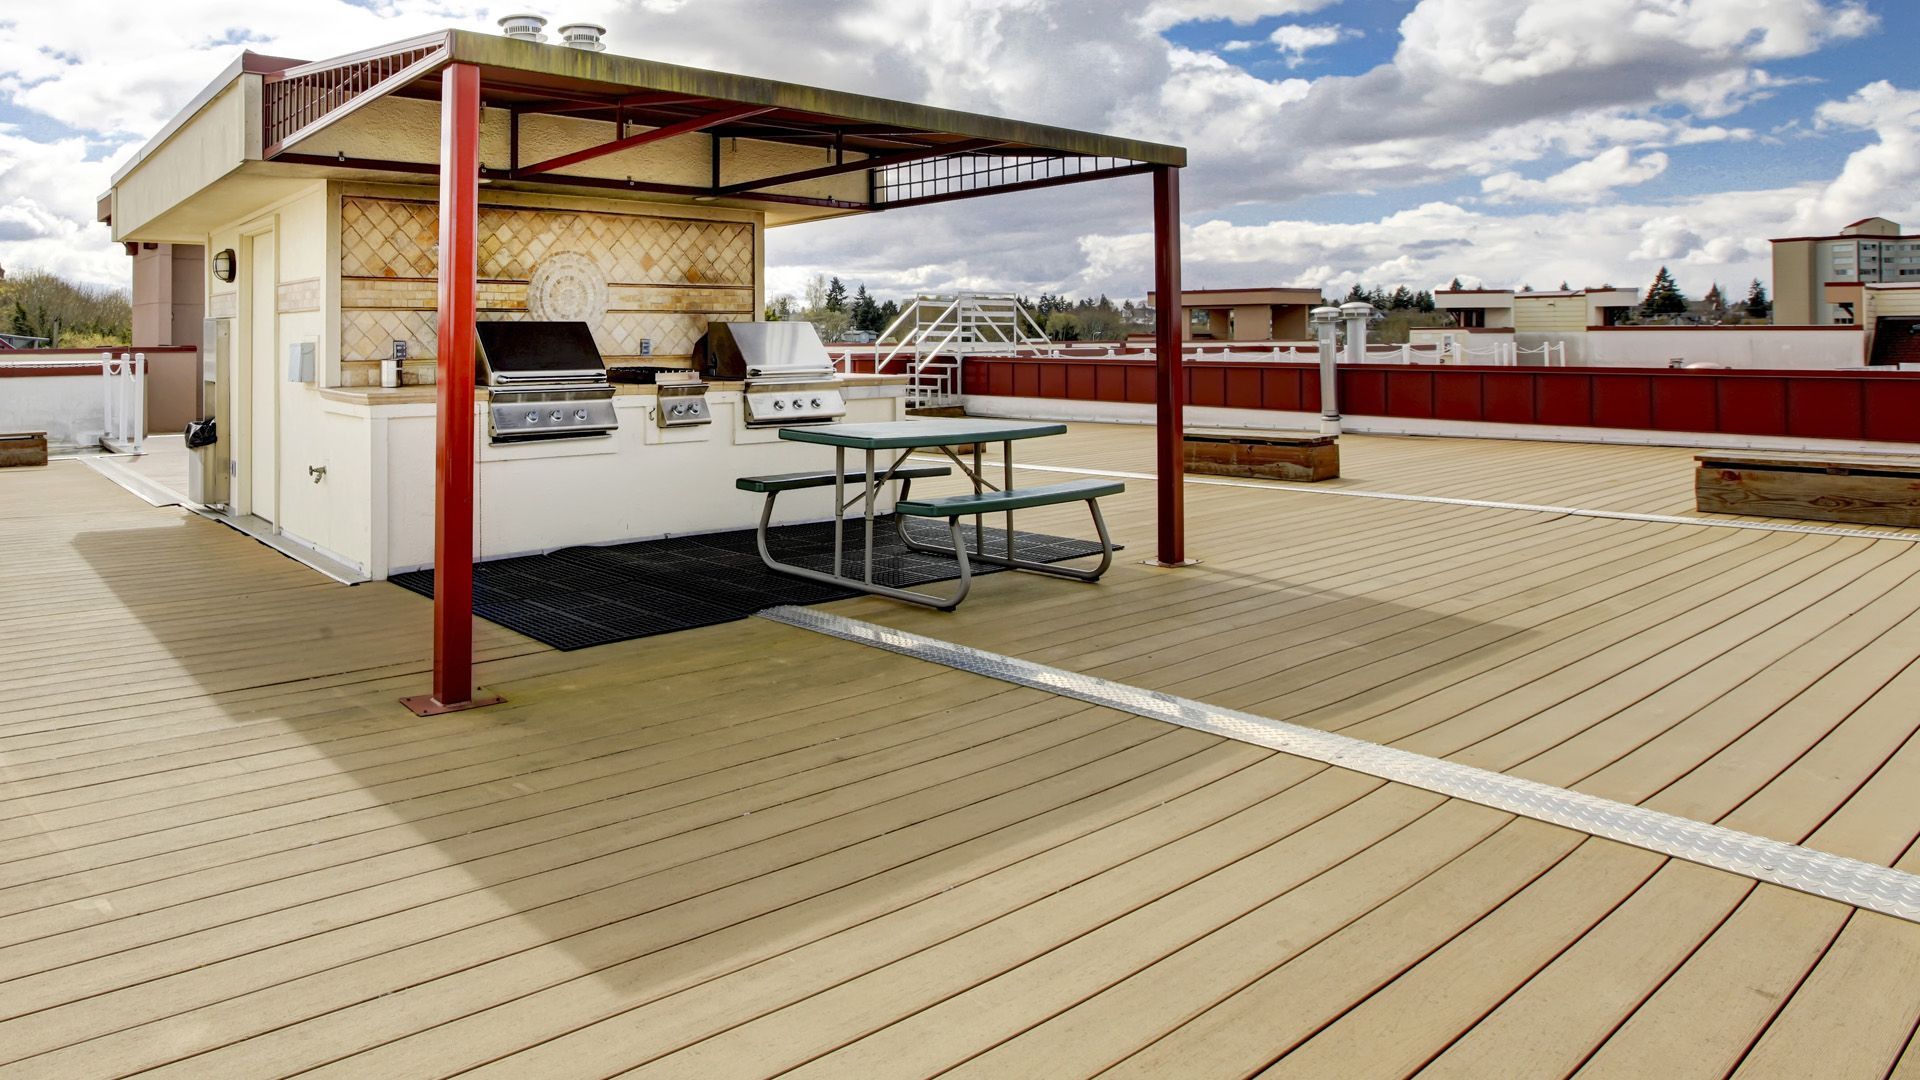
226 851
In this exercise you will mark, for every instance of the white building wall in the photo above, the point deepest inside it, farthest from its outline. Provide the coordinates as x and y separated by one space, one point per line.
1778 348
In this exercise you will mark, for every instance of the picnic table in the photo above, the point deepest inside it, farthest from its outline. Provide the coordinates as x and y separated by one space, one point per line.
902 440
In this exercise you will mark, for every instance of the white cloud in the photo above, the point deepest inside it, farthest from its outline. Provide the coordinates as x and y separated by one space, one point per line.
1477 90
1161 14
1877 178
1588 181
1296 40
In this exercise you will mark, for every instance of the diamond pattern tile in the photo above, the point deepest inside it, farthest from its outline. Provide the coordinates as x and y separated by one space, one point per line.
649 260
385 238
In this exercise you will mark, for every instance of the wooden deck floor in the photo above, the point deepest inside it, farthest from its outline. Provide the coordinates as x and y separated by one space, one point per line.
225 850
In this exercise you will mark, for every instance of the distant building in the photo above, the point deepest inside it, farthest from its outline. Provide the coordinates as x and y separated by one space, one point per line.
1820 280
1555 311
1259 314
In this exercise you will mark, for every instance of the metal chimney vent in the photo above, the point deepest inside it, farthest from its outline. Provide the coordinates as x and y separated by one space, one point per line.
583 36
523 27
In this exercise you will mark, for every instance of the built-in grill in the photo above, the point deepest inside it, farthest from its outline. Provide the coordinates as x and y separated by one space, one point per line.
544 380
790 378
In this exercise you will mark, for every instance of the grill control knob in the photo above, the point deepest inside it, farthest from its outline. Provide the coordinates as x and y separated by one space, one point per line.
799 403
778 404
816 403
558 416
579 414
533 418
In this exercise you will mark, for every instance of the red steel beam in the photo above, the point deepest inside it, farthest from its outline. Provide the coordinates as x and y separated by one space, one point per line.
692 124
965 146
429 168
1170 381
453 688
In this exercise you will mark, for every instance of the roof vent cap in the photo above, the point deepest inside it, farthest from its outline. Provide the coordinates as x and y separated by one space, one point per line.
523 27
583 36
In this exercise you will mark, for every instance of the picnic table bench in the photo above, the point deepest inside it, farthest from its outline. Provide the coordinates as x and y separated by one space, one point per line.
943 434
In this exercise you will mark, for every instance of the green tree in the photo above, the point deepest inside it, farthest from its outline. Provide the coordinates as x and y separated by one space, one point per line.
1715 301
1664 296
836 299
1456 286
44 305
1401 300
1424 302
1062 326
866 313
1757 304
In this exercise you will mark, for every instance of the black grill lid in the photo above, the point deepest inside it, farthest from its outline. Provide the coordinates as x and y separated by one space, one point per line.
537 350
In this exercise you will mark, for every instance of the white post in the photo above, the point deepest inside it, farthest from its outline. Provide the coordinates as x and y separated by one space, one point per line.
106 395
1326 322
139 410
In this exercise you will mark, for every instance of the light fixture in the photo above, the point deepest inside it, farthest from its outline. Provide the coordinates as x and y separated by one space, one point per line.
223 264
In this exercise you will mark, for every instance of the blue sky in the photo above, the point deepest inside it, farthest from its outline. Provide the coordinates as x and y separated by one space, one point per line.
1330 140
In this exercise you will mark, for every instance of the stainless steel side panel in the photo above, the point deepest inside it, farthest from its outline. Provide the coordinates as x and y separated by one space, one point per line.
555 414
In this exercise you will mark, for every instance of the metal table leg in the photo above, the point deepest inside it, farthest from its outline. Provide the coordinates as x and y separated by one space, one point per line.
1006 484
979 534
869 484
839 506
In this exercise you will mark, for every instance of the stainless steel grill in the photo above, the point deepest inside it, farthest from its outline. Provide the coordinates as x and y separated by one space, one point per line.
544 380
790 378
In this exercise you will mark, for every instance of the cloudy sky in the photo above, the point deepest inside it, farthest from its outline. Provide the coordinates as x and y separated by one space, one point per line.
1507 142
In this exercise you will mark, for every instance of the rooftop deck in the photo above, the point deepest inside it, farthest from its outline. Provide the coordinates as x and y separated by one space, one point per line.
229 851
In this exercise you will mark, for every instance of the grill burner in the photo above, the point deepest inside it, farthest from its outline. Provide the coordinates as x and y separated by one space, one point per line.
544 380
790 378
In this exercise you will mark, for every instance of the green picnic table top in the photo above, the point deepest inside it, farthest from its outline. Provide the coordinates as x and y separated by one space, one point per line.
933 431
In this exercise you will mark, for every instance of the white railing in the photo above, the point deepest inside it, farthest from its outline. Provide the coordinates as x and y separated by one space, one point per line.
934 347
123 387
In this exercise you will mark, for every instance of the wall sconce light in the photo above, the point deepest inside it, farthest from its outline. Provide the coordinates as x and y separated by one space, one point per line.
223 264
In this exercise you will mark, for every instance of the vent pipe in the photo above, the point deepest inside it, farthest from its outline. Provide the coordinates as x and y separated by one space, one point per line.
523 27
583 36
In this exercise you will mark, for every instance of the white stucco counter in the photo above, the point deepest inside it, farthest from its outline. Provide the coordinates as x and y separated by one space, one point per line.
641 481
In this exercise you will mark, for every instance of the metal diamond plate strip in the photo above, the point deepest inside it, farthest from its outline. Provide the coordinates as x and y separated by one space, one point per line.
1910 536
1851 881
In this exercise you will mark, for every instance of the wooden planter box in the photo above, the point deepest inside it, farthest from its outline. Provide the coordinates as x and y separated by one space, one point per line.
1859 491
1262 455
23 448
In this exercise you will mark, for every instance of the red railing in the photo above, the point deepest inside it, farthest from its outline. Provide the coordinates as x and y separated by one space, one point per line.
1878 406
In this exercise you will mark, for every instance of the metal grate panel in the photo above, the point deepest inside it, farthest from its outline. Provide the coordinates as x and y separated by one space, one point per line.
1819 873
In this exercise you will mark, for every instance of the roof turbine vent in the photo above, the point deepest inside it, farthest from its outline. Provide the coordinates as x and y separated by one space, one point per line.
583 36
523 27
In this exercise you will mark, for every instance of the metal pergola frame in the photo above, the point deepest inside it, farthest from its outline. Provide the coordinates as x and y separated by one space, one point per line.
912 155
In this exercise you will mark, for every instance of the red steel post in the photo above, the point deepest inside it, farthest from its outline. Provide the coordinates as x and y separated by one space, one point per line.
1170 381
453 460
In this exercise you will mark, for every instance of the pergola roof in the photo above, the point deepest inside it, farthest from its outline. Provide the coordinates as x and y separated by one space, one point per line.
912 153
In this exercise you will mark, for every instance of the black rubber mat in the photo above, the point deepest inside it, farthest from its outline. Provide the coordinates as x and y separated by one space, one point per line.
583 596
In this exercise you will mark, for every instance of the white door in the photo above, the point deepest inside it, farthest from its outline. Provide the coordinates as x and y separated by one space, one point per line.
260 463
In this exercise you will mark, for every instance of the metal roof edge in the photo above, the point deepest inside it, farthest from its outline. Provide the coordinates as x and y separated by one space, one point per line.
494 51
246 63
